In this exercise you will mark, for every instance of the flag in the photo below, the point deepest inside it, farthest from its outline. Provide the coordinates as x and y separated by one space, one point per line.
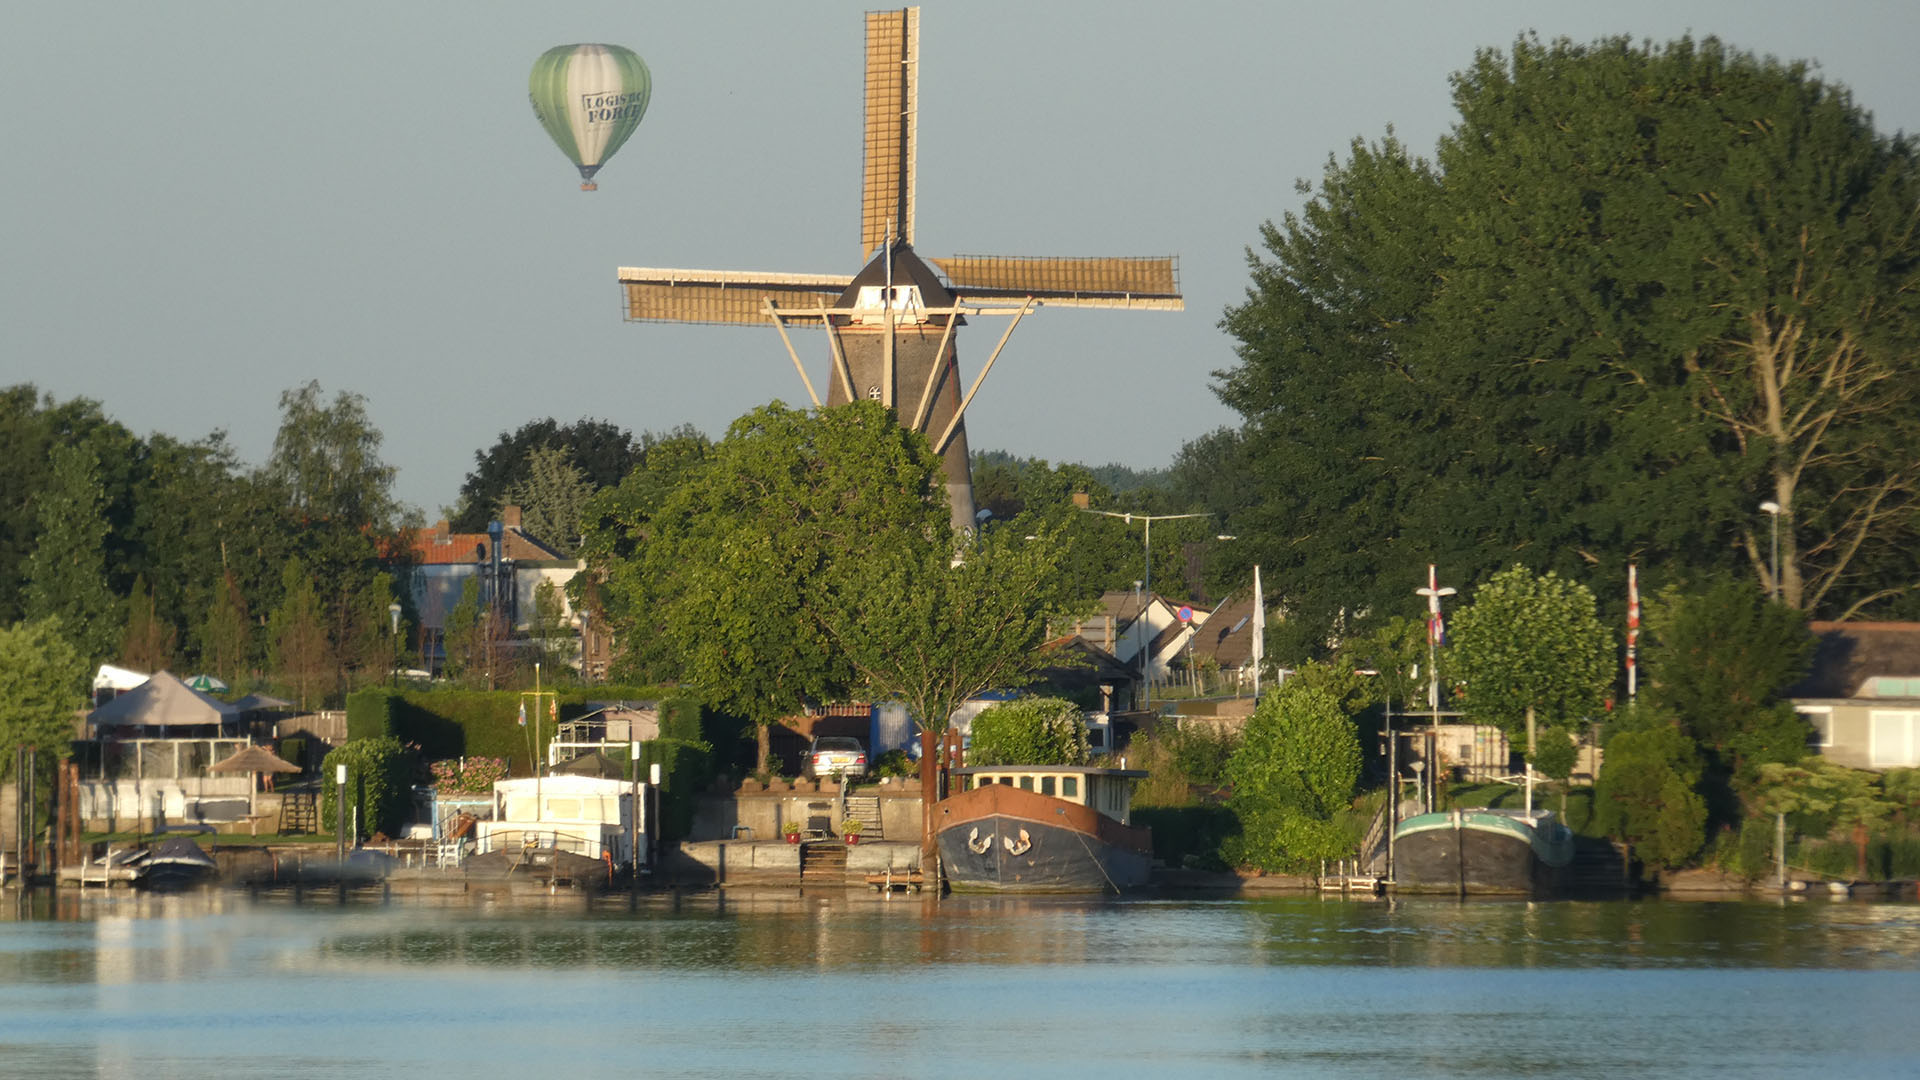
523 714
1259 629
553 709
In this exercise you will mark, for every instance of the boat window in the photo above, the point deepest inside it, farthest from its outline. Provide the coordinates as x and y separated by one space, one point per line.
568 809
1046 785
1069 787
1006 781
520 808
1026 783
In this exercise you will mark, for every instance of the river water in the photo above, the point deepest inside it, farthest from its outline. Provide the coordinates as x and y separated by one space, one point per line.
847 984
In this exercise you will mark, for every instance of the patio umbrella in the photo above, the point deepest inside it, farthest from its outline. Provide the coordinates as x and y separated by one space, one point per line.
207 684
254 760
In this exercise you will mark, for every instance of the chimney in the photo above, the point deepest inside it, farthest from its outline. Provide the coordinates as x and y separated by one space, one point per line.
510 516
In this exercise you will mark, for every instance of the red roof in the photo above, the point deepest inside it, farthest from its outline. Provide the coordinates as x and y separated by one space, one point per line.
439 547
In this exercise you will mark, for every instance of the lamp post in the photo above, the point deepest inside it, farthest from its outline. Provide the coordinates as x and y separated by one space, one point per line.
393 618
1146 547
1772 510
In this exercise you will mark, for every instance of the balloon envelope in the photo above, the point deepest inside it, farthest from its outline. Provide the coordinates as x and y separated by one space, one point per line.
589 98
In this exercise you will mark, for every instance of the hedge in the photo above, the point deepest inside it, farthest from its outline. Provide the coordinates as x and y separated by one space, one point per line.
455 723
379 784
686 768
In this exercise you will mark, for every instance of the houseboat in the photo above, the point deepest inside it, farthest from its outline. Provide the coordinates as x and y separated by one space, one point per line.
1465 852
1042 829
572 830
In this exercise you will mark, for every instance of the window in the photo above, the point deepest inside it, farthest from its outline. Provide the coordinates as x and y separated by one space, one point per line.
1046 785
1026 783
1894 740
1006 781
1069 787
1097 738
564 809
1821 717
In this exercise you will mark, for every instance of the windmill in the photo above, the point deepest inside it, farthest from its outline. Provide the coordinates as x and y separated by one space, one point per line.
890 327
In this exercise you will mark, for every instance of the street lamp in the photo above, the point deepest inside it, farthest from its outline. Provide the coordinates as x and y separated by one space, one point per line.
393 618
1772 510
1146 547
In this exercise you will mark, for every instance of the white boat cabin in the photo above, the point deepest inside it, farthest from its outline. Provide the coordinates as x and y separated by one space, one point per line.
585 815
1108 791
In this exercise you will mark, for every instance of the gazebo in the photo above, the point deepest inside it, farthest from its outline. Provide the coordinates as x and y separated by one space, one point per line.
253 760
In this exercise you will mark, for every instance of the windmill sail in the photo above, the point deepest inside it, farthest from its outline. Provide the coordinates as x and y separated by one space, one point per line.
1147 283
893 109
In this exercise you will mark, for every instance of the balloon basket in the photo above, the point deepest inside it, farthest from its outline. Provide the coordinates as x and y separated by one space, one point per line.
589 186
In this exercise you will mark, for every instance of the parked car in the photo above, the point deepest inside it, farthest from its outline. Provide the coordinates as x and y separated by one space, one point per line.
841 754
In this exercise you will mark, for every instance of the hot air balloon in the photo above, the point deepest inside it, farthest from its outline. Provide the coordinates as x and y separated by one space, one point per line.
589 98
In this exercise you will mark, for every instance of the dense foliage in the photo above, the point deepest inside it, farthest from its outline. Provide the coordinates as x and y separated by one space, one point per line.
1029 731
1638 290
1293 777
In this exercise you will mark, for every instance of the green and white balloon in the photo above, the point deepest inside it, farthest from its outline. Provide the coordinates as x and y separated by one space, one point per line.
589 98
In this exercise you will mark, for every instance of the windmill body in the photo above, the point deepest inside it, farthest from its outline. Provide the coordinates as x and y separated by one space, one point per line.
890 328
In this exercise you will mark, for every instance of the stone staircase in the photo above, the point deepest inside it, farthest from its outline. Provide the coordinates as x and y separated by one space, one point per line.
866 810
1599 869
823 860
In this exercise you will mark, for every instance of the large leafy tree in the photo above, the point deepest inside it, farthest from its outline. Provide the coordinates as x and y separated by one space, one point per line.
327 472
1530 648
299 653
1718 660
923 627
67 573
1639 290
42 683
725 577
1293 773
552 498
604 453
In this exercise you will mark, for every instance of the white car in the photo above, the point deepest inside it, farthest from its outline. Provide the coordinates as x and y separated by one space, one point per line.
832 754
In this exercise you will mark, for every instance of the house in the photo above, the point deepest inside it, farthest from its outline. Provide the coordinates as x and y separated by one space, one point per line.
510 564
1862 694
1225 639
1126 623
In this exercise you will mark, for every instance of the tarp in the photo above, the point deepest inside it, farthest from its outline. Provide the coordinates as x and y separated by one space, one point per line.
162 701
260 702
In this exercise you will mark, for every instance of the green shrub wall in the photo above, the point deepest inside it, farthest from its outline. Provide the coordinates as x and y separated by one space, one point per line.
379 783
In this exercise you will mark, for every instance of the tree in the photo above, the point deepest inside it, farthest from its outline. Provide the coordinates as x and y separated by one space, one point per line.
1294 771
552 496
1834 795
731 560
67 575
604 453
226 636
43 682
1639 290
1718 660
1529 646
148 643
369 646
1647 793
298 651
932 630
1029 731
326 470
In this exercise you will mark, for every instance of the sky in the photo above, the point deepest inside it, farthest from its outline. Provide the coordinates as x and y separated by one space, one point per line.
203 205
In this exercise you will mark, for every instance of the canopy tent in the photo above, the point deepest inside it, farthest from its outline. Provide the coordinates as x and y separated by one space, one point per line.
163 701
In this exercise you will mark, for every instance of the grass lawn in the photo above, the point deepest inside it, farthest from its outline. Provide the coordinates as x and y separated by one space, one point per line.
1579 801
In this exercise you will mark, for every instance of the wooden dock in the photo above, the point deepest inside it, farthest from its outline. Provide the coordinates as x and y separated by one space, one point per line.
891 881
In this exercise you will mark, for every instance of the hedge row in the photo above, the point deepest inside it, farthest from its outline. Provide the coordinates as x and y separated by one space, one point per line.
457 723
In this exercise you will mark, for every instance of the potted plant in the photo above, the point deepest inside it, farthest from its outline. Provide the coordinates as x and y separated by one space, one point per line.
850 828
792 831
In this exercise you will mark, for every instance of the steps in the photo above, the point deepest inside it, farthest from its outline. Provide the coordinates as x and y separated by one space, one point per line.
823 860
866 810
299 813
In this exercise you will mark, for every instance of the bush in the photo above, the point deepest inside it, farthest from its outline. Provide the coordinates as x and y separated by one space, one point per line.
1030 731
1293 775
1190 836
379 785
685 770
1648 795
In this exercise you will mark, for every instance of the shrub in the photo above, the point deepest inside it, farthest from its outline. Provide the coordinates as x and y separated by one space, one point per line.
379 784
1030 731
1293 774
